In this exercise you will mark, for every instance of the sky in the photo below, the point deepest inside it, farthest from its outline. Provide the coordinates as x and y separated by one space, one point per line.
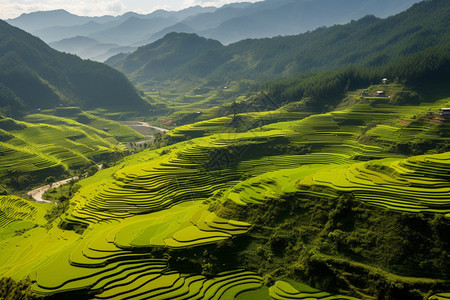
14 8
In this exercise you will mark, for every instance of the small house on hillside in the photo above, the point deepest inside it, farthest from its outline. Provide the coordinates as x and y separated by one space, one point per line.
445 112
380 94
384 80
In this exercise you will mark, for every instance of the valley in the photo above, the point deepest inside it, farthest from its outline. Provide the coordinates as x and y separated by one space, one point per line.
291 167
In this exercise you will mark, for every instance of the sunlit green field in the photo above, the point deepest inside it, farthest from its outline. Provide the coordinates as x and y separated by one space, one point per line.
49 145
144 228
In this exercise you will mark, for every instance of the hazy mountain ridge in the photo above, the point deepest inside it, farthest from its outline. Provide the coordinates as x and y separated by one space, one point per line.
368 42
227 24
167 54
89 48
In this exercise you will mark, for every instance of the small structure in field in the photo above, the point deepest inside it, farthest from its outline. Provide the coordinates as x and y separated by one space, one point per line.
381 94
445 112
384 81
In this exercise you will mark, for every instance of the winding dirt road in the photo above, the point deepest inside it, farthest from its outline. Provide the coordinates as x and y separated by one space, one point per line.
143 124
36 194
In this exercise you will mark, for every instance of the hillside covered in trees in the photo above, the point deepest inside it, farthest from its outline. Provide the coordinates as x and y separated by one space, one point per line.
368 42
33 75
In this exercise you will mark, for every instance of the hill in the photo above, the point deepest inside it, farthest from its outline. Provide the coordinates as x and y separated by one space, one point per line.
90 48
45 145
39 20
333 184
273 18
53 26
132 30
165 56
230 23
369 42
33 75
349 201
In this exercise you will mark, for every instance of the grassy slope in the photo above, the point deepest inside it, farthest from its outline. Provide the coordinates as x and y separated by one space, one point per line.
47 145
325 166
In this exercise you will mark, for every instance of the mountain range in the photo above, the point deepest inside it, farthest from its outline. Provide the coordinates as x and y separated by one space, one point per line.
368 42
227 24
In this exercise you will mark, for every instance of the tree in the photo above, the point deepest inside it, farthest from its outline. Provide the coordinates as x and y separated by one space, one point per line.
234 108
50 180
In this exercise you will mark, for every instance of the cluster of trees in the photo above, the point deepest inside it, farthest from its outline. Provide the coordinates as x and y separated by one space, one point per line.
12 290
323 90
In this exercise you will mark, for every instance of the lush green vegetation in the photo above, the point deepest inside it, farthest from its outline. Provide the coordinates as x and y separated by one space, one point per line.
33 151
312 187
34 76
411 47
369 41
172 216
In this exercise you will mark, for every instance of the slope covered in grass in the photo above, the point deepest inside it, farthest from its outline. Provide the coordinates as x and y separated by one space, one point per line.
51 146
241 201
63 116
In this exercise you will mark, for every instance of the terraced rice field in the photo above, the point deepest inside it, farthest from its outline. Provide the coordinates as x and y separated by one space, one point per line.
73 116
149 279
13 208
44 147
158 201
282 290
232 124
417 184
107 261
440 296
23 159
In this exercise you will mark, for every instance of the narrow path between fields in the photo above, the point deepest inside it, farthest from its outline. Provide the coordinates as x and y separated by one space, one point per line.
36 194
143 124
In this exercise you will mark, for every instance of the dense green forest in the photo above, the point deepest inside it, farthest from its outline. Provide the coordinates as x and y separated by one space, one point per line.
324 90
33 75
368 42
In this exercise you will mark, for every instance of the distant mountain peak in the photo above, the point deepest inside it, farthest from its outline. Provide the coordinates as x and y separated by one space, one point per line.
53 11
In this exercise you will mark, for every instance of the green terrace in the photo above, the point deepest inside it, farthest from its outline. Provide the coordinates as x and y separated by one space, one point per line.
283 290
196 169
15 209
43 148
73 116
106 261
109 244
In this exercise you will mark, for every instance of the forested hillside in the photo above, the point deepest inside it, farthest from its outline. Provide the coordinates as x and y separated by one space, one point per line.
166 55
40 136
34 76
368 42
229 23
